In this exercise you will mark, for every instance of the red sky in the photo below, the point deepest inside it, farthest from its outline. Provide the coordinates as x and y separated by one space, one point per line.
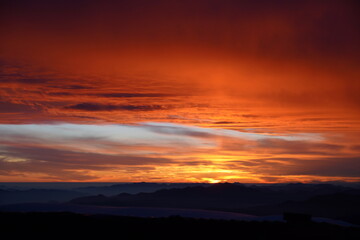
180 91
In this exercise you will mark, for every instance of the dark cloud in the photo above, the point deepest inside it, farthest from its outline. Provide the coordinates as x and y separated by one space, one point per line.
8 107
250 116
315 119
270 179
50 172
64 164
275 28
225 122
133 95
335 167
325 167
61 94
72 87
25 80
66 159
281 146
276 146
111 107
194 163
355 148
139 169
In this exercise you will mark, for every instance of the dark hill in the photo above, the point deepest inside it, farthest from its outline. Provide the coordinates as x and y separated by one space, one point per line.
37 195
78 226
216 196
341 203
134 188
344 206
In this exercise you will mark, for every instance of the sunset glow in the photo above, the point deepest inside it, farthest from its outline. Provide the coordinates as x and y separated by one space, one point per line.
180 91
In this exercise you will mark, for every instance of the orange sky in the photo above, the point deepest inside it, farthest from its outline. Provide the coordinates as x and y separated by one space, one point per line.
179 91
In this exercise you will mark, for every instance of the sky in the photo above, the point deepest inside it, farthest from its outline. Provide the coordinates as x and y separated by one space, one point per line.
179 91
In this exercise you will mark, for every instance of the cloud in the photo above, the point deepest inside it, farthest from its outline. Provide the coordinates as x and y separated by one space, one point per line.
7 107
187 130
192 151
179 130
250 116
311 166
280 146
332 166
131 139
158 134
75 159
355 148
225 122
23 80
133 95
72 87
337 166
111 107
58 164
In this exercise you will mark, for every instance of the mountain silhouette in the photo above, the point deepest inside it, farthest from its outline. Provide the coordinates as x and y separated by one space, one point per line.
134 188
214 196
217 196
338 202
11 196
344 205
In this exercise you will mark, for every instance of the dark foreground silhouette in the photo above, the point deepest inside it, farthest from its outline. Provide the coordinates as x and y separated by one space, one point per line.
73 226
336 202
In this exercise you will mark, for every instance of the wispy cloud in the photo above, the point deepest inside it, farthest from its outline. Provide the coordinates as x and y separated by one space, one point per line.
134 95
111 107
34 148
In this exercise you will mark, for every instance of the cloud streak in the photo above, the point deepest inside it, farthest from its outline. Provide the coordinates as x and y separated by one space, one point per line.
110 107
197 153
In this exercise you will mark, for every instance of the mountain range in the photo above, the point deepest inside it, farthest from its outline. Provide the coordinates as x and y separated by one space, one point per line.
319 200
